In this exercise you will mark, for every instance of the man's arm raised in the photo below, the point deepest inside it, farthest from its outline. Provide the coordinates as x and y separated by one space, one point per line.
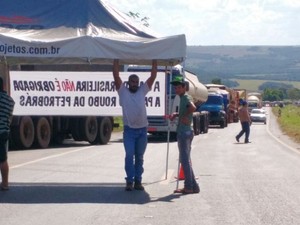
116 74
152 78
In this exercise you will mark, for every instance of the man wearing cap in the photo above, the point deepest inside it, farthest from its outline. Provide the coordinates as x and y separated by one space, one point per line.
185 135
132 101
245 122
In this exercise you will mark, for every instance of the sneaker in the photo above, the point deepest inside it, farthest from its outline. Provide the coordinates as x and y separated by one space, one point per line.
246 142
129 186
138 186
237 139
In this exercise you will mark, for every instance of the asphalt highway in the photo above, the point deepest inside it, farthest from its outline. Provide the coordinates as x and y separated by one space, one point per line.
256 183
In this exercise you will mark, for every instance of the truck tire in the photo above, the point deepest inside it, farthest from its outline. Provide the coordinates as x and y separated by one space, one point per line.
23 134
226 123
42 132
89 126
202 123
105 129
196 123
206 123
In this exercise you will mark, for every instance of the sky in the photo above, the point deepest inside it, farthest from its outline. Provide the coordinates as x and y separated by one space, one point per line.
221 22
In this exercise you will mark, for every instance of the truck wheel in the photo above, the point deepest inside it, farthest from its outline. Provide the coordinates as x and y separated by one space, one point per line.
90 128
222 124
23 135
105 129
205 129
196 123
42 132
206 125
225 123
203 123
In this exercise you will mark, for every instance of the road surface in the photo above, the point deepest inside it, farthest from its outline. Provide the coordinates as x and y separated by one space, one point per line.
256 183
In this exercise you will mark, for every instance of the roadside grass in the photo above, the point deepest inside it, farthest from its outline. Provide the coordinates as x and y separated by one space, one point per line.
289 120
118 120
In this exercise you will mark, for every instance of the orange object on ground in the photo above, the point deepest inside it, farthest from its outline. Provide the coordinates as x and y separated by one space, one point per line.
181 173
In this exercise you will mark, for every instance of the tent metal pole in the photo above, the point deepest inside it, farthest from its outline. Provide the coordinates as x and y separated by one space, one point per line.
169 112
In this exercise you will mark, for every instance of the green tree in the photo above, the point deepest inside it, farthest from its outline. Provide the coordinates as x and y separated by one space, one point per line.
270 94
293 94
136 16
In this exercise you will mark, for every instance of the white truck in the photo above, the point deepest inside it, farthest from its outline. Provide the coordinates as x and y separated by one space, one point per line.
160 125
254 100
51 106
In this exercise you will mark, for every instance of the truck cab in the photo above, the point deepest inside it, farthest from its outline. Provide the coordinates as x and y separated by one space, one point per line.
215 106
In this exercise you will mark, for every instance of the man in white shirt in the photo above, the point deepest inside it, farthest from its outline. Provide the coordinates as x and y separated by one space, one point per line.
132 100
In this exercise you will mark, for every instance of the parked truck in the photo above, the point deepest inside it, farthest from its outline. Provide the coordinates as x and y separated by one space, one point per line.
254 100
225 113
160 125
48 110
216 109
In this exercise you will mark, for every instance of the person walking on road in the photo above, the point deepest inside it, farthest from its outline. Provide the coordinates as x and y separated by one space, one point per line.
6 109
185 135
132 101
245 122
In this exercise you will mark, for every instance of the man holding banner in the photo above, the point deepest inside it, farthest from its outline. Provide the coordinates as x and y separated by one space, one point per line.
132 101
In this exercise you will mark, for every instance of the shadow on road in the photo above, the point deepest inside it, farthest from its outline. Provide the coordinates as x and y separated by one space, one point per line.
53 193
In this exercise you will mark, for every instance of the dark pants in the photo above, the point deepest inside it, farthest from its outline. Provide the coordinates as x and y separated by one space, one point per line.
3 150
245 130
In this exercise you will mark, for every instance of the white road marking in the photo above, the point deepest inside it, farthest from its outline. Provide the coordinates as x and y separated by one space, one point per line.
49 157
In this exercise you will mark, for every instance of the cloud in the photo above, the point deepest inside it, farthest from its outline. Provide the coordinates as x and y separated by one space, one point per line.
222 22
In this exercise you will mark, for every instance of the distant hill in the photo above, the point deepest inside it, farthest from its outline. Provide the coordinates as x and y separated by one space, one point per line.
270 63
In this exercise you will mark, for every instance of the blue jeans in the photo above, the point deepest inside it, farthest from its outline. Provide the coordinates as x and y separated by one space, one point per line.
135 143
184 141
245 130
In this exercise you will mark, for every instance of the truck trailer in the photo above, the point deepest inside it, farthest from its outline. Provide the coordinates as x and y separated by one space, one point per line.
49 110
52 106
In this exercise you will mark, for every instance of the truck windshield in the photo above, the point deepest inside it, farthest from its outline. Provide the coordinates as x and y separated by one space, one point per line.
252 104
214 100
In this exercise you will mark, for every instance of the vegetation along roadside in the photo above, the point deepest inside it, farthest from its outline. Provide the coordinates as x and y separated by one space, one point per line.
288 118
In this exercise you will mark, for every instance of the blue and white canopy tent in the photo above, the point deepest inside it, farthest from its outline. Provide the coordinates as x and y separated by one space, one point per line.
79 31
